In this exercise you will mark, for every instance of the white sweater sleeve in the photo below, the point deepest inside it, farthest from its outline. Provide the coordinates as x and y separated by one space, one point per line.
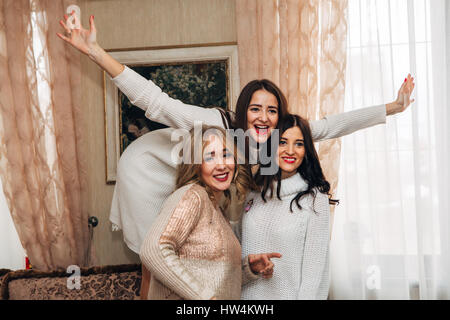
339 125
159 107
315 256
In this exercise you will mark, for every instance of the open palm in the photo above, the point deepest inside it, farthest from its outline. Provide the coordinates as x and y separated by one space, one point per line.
76 35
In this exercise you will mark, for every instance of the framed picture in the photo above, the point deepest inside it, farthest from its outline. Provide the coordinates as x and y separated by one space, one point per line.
204 76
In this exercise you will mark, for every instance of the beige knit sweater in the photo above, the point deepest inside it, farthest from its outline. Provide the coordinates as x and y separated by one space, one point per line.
192 252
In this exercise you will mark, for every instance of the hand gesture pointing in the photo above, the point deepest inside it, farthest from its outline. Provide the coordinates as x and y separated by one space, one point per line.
260 263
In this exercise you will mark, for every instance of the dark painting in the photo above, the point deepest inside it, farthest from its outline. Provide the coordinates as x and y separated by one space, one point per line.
201 84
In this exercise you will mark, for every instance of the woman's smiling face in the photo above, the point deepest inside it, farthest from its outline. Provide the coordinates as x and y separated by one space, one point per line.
262 115
291 151
218 165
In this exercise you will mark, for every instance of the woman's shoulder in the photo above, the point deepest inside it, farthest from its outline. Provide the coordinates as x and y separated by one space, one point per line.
197 190
188 197
190 191
321 201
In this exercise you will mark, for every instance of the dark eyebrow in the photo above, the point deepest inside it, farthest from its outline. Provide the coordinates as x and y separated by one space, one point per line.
259 105
213 152
301 140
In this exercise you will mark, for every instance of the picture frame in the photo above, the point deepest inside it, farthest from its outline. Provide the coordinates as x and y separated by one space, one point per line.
204 54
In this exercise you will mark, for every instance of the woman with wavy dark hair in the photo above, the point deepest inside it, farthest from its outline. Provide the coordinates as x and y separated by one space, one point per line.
291 214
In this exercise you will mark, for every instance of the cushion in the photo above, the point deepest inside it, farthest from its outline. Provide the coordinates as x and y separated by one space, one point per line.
121 282
3 273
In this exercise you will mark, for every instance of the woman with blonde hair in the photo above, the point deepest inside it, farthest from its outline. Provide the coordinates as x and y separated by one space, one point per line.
191 249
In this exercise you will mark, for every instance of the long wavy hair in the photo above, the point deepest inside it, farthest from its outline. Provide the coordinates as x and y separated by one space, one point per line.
190 172
310 169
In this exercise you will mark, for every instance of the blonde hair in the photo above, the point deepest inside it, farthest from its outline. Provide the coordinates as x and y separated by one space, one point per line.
190 172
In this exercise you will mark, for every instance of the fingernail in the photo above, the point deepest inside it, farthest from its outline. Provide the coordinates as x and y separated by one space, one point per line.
406 79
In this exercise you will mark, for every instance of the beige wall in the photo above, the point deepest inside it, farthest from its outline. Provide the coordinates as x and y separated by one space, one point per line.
136 24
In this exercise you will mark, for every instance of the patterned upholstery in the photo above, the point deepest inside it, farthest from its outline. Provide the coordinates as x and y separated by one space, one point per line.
120 282
3 273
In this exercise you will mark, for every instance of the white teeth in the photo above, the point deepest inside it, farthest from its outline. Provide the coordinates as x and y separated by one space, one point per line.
222 176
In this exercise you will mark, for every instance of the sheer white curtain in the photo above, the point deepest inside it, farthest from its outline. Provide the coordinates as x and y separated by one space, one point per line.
12 255
391 231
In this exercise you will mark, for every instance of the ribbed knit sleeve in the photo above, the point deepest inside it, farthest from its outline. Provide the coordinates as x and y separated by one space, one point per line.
159 250
159 107
247 273
339 125
315 255
236 226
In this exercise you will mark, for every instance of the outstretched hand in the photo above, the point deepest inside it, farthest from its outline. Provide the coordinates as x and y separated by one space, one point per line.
403 97
82 39
261 264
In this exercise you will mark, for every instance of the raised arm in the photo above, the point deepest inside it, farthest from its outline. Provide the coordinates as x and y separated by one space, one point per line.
143 93
159 107
314 271
335 126
159 250
86 42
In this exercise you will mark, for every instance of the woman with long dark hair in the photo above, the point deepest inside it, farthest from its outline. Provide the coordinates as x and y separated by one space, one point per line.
291 213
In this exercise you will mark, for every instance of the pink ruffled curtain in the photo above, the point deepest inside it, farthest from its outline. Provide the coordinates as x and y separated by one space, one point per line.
41 134
301 46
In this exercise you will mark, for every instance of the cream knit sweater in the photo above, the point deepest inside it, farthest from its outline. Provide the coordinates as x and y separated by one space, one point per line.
146 173
301 236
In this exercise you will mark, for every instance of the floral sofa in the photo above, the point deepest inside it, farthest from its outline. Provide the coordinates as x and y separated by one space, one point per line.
120 282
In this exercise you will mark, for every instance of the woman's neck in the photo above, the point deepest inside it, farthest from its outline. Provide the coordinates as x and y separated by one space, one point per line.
286 174
217 197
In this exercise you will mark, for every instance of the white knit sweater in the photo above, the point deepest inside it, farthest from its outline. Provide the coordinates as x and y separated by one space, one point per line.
146 173
301 236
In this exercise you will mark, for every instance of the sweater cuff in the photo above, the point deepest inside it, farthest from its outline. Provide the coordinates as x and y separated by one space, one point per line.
381 113
247 273
121 77
133 85
376 115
